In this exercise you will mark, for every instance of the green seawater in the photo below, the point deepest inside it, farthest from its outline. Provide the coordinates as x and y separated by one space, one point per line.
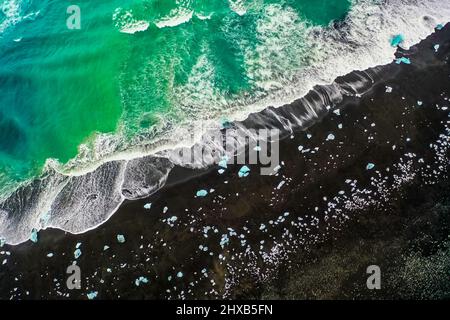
61 87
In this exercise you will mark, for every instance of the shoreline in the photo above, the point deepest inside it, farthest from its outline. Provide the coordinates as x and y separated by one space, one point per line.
28 216
244 251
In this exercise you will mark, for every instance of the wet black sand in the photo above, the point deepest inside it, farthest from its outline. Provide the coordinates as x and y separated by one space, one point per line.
331 218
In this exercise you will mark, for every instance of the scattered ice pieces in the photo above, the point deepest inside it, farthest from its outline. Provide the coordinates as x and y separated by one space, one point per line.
370 166
436 48
105 248
281 184
165 209
389 89
77 253
224 240
34 235
92 295
201 193
244 172
340 125
140 280
337 112
120 238
147 206
419 103
221 171
300 148
309 135
403 60
50 255
172 219
180 274
330 137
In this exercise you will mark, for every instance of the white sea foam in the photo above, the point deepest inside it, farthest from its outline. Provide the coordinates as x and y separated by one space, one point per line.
126 23
238 6
362 42
14 12
175 18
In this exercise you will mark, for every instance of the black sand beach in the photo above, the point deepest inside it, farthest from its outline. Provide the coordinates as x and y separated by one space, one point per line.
366 185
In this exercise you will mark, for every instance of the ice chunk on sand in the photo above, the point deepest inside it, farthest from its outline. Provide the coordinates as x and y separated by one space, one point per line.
403 60
120 238
147 206
244 172
140 280
92 295
370 166
201 193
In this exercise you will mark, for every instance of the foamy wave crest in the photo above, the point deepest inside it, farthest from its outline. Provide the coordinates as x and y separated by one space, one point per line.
126 23
176 17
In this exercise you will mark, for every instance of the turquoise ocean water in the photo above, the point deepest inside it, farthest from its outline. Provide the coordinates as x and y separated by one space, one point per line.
135 64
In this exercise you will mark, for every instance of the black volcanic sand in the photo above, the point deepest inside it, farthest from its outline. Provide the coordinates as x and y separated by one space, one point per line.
311 237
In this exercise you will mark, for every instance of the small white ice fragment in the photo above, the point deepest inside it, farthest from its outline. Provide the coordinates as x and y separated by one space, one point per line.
92 295
77 253
201 193
370 166
147 206
281 184
244 172
120 238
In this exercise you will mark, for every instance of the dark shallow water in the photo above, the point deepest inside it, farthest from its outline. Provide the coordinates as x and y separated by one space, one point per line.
331 218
